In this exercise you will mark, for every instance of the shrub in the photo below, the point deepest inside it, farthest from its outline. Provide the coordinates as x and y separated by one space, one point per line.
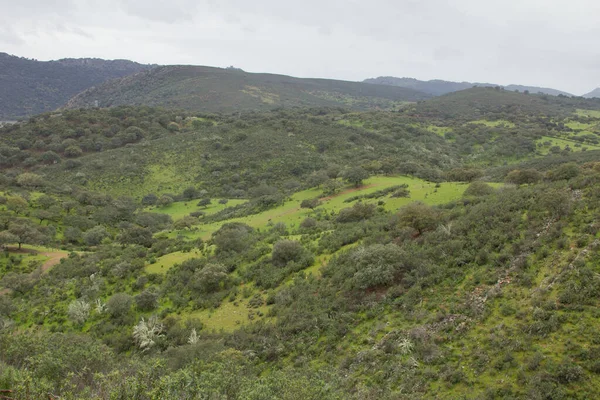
119 305
285 251
147 300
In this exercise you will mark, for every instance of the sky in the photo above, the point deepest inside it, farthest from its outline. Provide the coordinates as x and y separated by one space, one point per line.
546 43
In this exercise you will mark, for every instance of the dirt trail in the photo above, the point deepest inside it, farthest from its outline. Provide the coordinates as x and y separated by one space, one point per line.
54 258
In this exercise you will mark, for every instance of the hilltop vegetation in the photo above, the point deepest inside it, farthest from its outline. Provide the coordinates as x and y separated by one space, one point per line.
438 251
29 87
437 87
208 89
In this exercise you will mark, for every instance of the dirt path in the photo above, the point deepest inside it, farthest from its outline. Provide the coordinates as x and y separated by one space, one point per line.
54 258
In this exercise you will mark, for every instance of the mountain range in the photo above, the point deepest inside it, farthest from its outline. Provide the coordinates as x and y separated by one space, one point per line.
29 87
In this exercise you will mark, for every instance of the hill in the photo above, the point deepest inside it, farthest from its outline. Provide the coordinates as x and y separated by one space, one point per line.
593 94
438 87
208 89
481 101
29 87
447 250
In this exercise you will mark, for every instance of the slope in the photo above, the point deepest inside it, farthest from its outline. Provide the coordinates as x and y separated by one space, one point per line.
209 89
30 87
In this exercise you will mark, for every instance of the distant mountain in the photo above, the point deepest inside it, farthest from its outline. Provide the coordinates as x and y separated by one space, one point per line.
30 87
592 94
208 89
438 87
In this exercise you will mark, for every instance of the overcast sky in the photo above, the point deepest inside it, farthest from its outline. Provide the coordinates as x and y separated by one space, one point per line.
548 43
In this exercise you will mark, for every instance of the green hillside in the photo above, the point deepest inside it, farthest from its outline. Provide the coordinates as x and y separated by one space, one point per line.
210 89
447 250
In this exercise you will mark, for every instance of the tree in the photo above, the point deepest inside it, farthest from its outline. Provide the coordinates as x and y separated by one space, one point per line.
7 238
355 175
94 236
17 204
50 157
233 237
358 212
564 172
419 216
45 201
310 203
24 231
29 180
186 222
147 300
73 151
149 200
204 203
165 201
285 251
136 235
119 305
209 278
524 176
478 189
190 193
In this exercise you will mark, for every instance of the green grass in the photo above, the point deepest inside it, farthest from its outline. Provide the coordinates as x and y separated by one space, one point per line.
180 209
588 113
581 126
562 143
164 263
229 316
291 214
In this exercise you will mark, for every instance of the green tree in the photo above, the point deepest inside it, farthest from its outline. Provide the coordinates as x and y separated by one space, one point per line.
17 204
419 216
310 203
355 176
204 203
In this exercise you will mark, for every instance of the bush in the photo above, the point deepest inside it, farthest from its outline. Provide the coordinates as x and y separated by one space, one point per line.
286 251
479 189
147 300
358 212
119 305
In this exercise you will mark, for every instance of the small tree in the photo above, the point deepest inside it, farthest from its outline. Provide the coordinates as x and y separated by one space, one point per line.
310 203
17 204
204 203
419 216
355 176
119 305
165 201
147 300
149 200
285 251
